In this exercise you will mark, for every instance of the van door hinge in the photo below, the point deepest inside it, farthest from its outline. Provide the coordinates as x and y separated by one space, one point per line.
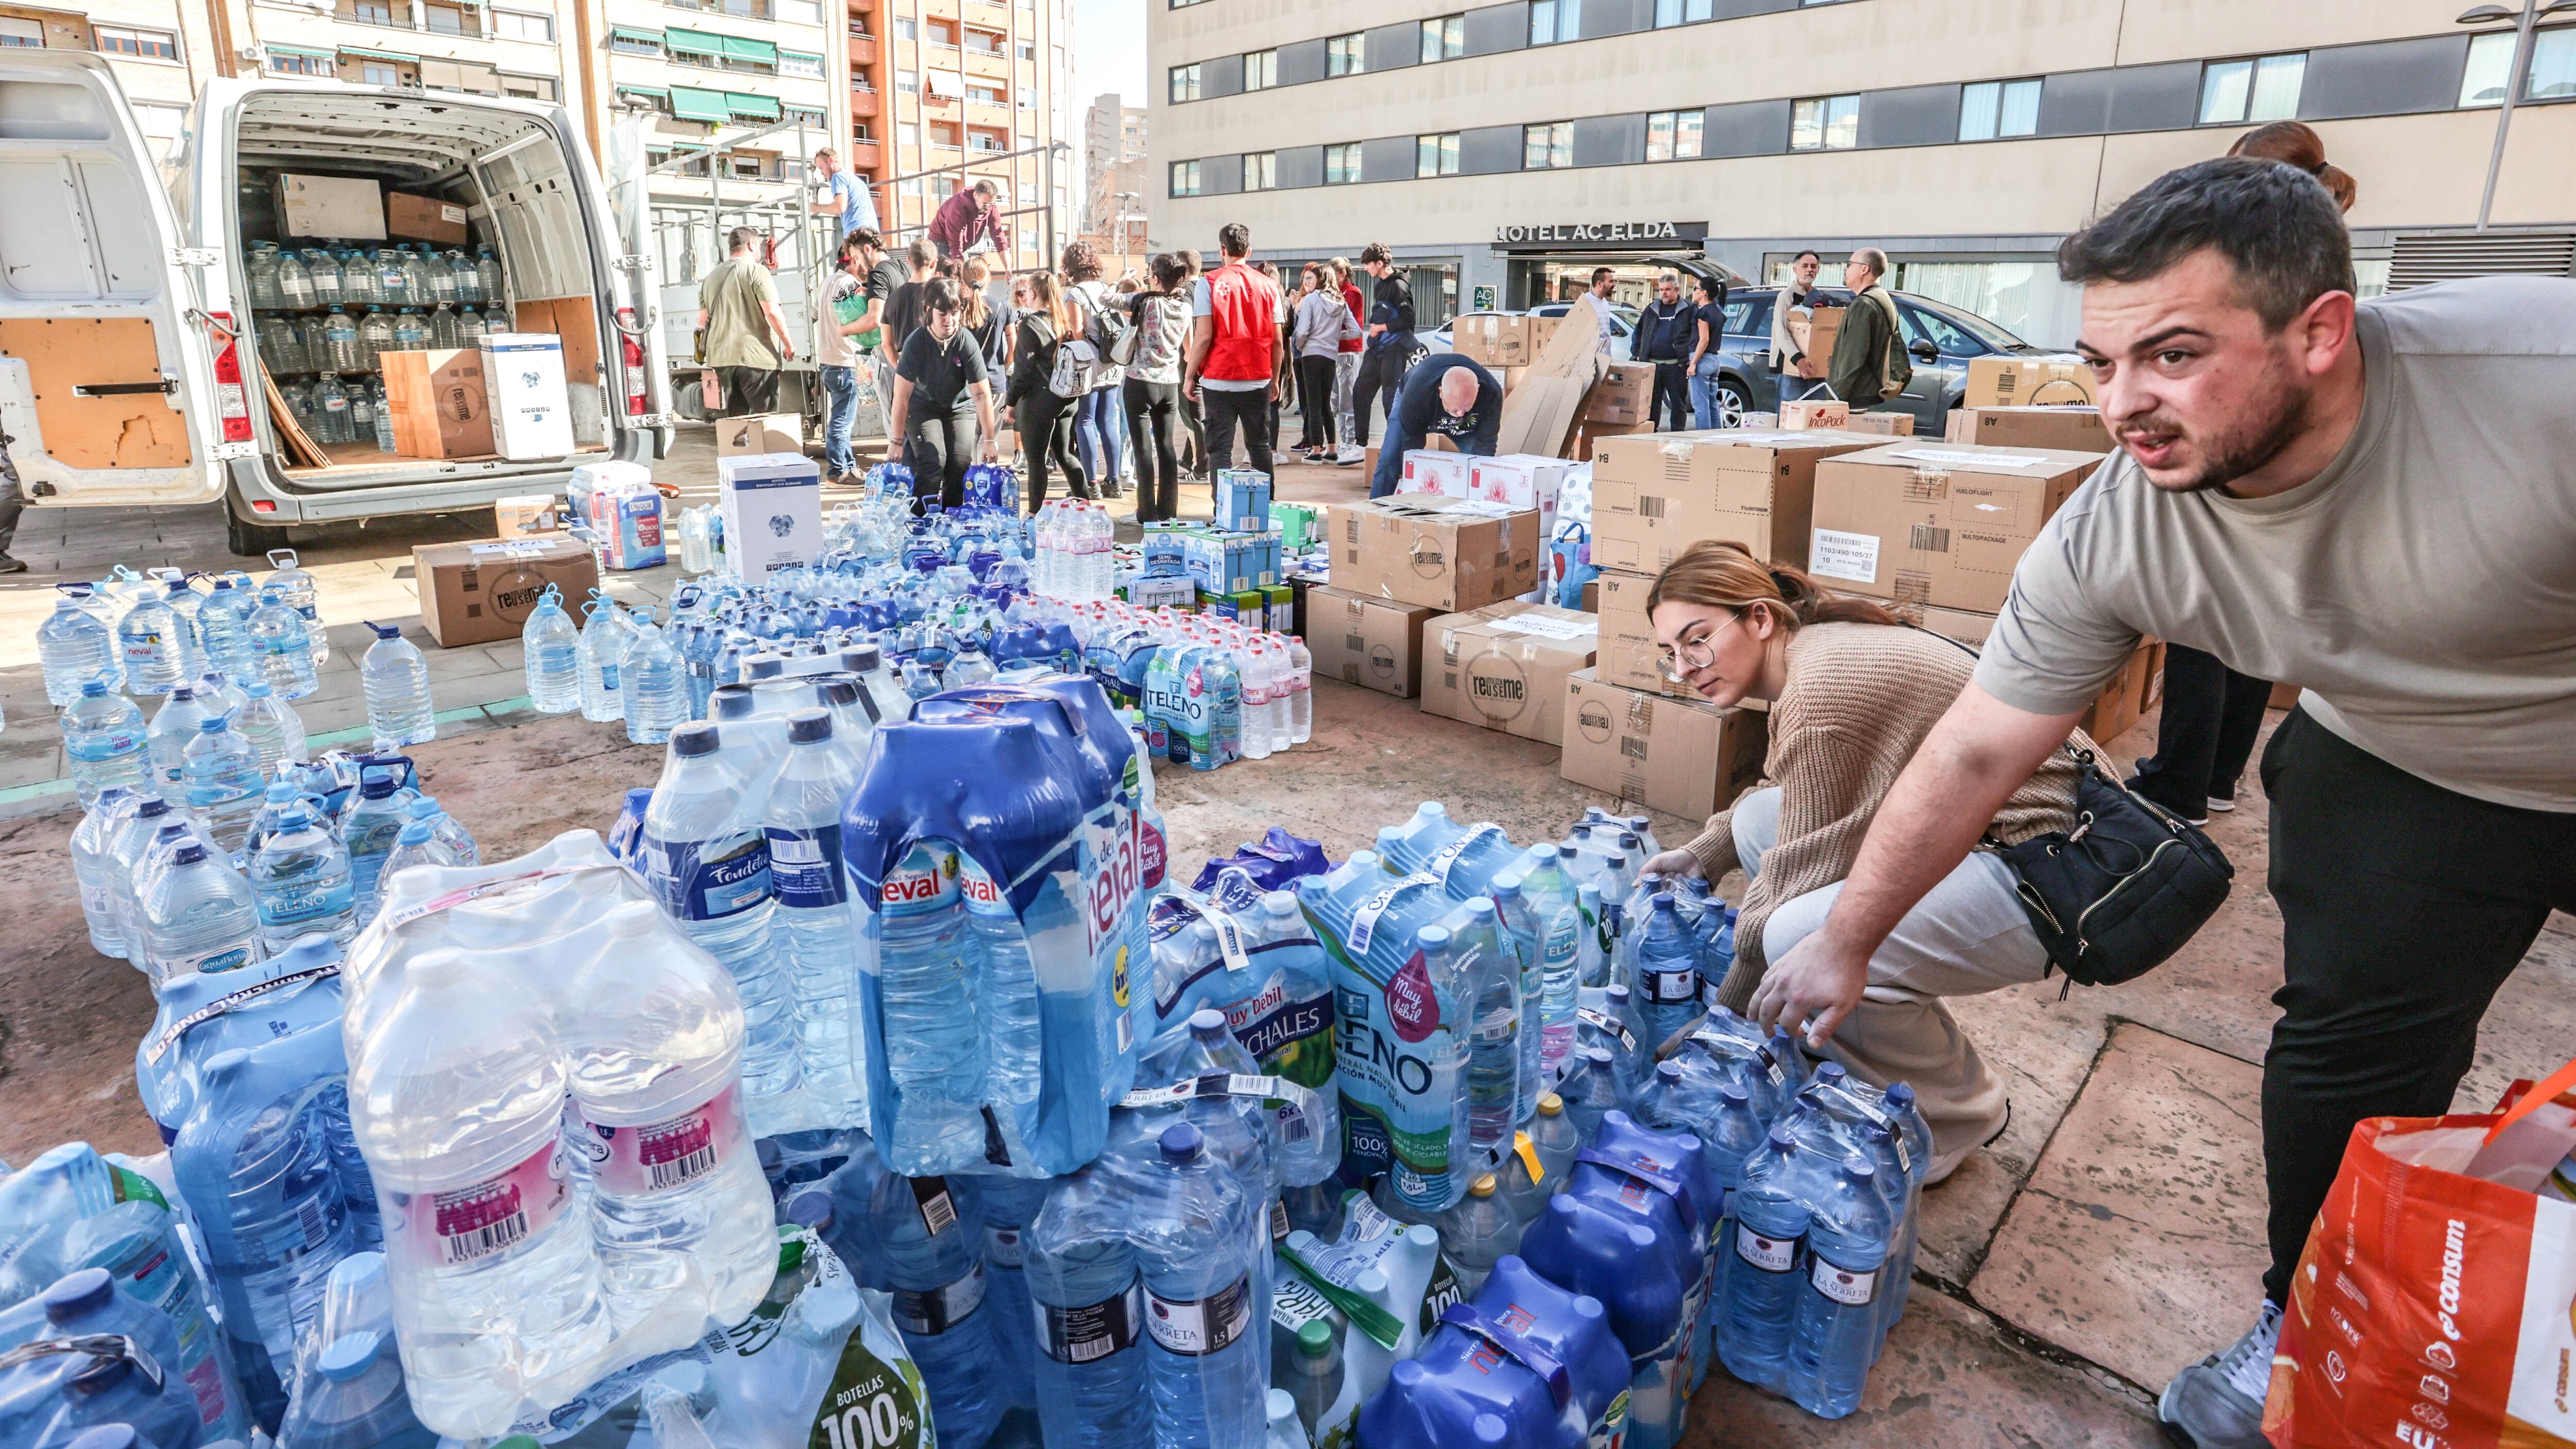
235 452
194 256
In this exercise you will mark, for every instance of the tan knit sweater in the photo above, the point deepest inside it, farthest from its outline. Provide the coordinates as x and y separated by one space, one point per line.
1860 699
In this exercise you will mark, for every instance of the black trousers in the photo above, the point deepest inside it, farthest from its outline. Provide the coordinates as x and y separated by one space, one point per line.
2404 906
1382 369
2205 734
1153 410
1671 409
748 391
941 446
1227 409
1046 432
1319 428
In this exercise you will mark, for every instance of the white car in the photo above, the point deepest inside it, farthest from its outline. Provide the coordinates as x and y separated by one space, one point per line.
1623 326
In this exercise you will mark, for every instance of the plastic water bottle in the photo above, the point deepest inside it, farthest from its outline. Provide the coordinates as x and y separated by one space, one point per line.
1006 987
281 646
370 827
1207 1380
100 820
1667 985
706 855
469 282
1835 1336
396 681
1476 1232
198 916
803 823
273 728
74 646
1090 1317
262 269
655 684
550 651
1253 673
488 271
105 743
331 408
149 646
1301 699
442 324
1590 1092
413 845
1551 896
1520 930
453 838
918 1244
458 1103
376 338
217 692
108 1386
294 283
1760 1287
410 333
126 846
355 1399
1556 1139
1495 1023
604 640
926 965
300 880
224 782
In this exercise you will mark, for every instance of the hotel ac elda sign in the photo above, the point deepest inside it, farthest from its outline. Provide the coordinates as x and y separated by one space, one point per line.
1600 233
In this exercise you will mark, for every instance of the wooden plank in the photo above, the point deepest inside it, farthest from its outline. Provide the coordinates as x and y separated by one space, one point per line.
121 430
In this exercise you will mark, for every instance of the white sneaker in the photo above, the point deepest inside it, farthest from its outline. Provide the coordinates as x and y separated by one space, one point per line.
2217 1403
1351 457
2222 804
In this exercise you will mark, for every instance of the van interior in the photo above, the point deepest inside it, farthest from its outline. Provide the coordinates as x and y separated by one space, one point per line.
506 168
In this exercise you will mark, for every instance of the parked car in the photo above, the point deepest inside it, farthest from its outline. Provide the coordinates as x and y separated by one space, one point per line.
1943 340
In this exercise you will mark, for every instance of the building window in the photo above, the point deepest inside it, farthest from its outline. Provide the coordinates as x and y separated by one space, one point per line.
1029 51
1681 12
907 82
280 63
792 62
942 33
445 19
801 12
634 42
1261 171
529 87
520 25
1184 84
1995 110
1185 178
907 134
1555 20
1673 136
1342 164
1444 38
2238 92
985 95
378 73
1345 54
1028 193
2553 67
906 29
1438 155
18 32
1824 123
143 44
1547 147
1260 69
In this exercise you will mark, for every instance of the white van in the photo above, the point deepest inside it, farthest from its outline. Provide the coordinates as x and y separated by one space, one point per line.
128 359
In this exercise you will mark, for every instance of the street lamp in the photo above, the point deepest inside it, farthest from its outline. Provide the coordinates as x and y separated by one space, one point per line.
2517 75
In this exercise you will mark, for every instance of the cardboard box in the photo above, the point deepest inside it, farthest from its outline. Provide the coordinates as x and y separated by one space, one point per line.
1504 667
1592 595
2114 712
523 379
2154 697
773 512
2068 429
1818 354
2284 696
1450 554
1968 626
1537 332
1927 523
529 515
438 403
1434 470
1373 643
1242 500
1809 414
2003 382
1298 524
1623 394
1522 480
761 433
1686 757
1656 494
1628 656
345 208
1495 341
423 218
1886 425
476 593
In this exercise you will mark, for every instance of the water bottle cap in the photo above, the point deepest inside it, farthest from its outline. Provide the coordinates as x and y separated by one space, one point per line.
280 791
1639 1235
1280 903
415 832
1628 840
1482 1187
77 1293
183 691
383 631
1432 938
1901 1095
1480 906
1668 1071
733 701
256 689
691 740
1206 1021
810 1209
377 787
1315 1338
349 1355
1181 1143
1508 883
1490 1429
92 688
1551 1105
1858 1169
861 659
1598 1056
1782 1138
294 818
1432 808
808 726
1409 1373
1830 1072
763 666
1618 991
838 691
1734 1093
190 853
152 807
1664 901
423 807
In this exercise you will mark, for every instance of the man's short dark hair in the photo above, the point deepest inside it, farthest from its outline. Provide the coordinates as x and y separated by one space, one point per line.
1234 239
861 236
741 239
1375 252
940 294
1599 272
2276 225
1809 252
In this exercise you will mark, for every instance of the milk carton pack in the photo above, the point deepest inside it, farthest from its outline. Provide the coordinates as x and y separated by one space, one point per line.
1242 500
773 512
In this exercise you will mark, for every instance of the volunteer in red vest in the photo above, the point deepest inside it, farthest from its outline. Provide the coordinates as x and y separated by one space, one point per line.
1234 352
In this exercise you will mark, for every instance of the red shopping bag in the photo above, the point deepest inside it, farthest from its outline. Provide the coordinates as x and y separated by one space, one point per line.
2431 1308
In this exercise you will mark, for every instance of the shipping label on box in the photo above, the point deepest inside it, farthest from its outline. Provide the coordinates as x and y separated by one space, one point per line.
773 512
760 433
1686 757
1429 470
1450 554
1886 425
1935 523
2001 382
438 401
1655 494
1504 666
476 593
1373 643
2068 429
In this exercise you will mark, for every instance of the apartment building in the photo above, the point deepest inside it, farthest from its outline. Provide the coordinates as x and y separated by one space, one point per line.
944 93
1113 175
1505 150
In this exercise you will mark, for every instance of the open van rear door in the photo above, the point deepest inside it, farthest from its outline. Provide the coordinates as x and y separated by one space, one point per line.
108 386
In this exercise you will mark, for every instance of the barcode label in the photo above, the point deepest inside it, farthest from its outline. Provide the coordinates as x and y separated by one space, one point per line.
938 1212
1649 506
1632 746
484 1241
1355 643
674 1173
1929 539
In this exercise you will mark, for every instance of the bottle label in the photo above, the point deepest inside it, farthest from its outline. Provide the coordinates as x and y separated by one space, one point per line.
1676 987
1005 1247
472 1223
938 1209
1771 1255
1842 1285
222 958
805 866
289 903
660 1156
875 1399
1094 1331
1278 1221
1412 1006
934 1311
1440 864
608 677
708 880
1364 920
1607 1025
1196 1327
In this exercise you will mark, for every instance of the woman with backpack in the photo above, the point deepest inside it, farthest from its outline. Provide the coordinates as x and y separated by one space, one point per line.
1162 317
1096 427
1043 415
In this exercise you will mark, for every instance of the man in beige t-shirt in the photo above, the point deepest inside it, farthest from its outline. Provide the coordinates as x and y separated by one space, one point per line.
2373 501
745 337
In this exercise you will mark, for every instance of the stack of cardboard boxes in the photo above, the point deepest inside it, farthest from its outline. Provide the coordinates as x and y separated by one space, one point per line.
1403 562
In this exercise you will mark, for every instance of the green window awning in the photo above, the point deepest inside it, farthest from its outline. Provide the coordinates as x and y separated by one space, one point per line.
379 54
659 93
759 51
815 61
693 42
640 37
688 103
306 51
751 108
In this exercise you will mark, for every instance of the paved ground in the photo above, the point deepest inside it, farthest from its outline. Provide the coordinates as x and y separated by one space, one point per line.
2111 1235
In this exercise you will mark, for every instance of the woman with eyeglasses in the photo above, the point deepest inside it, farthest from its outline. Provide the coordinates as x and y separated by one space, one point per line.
943 399
1853 692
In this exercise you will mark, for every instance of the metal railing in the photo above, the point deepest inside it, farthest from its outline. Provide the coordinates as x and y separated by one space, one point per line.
1050 154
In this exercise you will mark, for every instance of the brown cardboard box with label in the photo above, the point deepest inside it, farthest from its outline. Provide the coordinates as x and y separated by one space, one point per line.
1686 757
1657 494
346 208
760 433
2068 429
1886 425
475 593
2115 711
1504 667
531 515
1443 553
1825 325
424 218
437 402
1623 394
1628 656
1935 523
1373 643
2011 382
1814 415
1535 333
1495 341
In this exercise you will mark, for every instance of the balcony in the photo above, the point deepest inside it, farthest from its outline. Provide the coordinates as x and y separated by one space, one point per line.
863 7
863 103
988 64
864 155
980 13
863 47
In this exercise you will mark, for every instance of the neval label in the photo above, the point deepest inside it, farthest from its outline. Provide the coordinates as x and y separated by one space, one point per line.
1842 1284
1771 1255
672 1153
708 880
468 1224
1195 1327
1093 1331
937 1310
805 866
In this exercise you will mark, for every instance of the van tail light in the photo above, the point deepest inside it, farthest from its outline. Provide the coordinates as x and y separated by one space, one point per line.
631 353
232 399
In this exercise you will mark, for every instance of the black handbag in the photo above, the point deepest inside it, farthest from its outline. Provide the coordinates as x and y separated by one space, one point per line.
2123 890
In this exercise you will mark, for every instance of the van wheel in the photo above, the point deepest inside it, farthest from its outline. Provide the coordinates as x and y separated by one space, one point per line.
250 540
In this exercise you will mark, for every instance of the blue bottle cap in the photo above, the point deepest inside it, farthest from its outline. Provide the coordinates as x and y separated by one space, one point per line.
1859 1170
1181 1143
1668 1072
1432 938
809 1209
1597 1056
74 1294
1490 1429
1206 1021
414 833
211 724
349 1355
1664 901
1618 993
1734 1094
189 854
1901 1095
181 692
93 687
152 807
280 792
1830 1072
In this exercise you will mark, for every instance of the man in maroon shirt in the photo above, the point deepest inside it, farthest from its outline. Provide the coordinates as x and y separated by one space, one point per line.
967 217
